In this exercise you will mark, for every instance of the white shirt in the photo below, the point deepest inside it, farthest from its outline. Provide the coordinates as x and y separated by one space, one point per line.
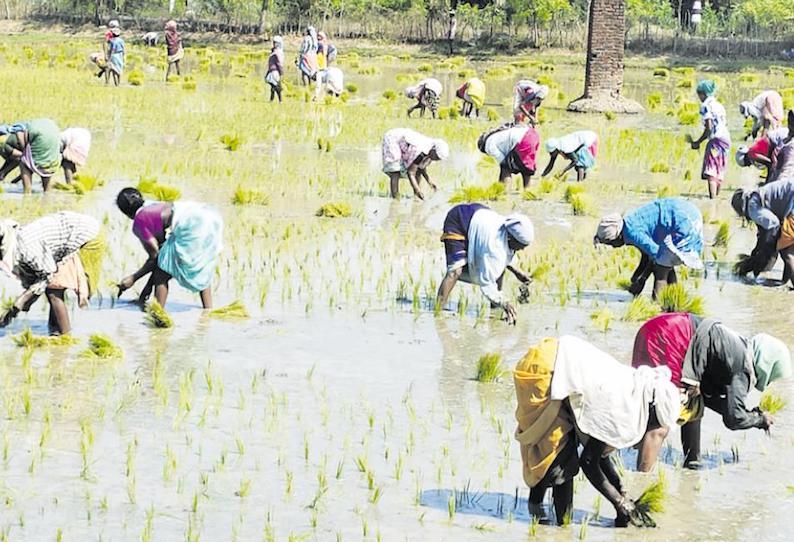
713 110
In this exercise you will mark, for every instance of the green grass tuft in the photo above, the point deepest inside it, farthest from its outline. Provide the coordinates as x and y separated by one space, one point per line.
489 367
675 298
157 317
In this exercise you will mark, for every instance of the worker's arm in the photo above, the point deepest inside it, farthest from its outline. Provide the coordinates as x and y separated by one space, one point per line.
411 172
153 250
550 165
704 136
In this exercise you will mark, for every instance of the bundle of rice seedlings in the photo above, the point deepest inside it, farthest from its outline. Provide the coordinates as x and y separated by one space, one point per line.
684 70
654 100
661 72
334 210
652 499
161 192
540 271
660 167
581 205
640 309
231 142
771 402
572 190
675 298
492 115
610 115
102 347
489 367
233 311
425 67
135 78
602 318
466 194
389 95
529 195
547 185
749 78
352 88
723 234
249 197
157 317
27 339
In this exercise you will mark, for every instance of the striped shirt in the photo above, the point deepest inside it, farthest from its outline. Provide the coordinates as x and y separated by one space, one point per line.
44 243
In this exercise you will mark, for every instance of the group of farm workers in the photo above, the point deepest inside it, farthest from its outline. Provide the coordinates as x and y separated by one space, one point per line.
576 404
514 146
315 60
63 251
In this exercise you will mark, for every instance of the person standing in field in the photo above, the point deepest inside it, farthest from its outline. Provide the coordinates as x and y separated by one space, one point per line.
668 232
766 110
527 97
326 51
48 256
427 94
101 58
409 153
183 241
581 148
275 68
515 149
174 50
715 131
472 94
116 55
35 147
480 245
307 56
716 367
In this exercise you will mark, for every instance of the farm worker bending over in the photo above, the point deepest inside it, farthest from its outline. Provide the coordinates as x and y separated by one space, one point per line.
472 93
50 255
579 147
479 244
275 68
34 146
183 240
716 367
174 50
567 388
766 110
668 232
771 207
75 146
765 151
427 93
527 97
331 80
515 149
715 130
307 56
409 153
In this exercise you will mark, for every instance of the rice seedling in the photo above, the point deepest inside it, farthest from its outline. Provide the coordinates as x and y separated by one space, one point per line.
660 167
334 210
661 72
640 309
493 192
102 347
136 78
157 317
723 234
610 115
675 298
654 100
602 318
233 311
244 196
581 205
161 192
489 367
231 142
652 499
572 190
27 339
772 402
749 79
389 95
425 67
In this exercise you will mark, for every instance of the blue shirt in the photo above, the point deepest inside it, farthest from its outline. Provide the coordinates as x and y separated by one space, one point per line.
647 227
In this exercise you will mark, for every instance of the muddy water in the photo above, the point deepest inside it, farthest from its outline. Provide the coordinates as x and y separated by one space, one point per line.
243 430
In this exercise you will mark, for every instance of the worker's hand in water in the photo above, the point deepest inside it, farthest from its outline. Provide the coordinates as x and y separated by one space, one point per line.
510 314
8 316
125 284
627 513
419 195
523 293
695 145
767 422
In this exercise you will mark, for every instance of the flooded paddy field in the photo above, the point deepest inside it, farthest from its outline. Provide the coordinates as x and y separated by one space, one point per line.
345 407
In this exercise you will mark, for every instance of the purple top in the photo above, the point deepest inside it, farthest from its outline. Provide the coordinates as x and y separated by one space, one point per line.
148 222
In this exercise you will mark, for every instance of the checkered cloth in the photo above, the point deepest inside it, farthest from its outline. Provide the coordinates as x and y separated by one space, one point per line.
44 243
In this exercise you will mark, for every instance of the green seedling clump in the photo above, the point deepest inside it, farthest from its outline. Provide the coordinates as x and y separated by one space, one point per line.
492 114
723 234
684 70
243 196
772 403
334 210
161 192
231 142
157 317
661 72
102 347
602 318
494 192
389 95
425 67
352 88
573 190
489 367
581 204
660 167
640 309
27 339
654 100
82 184
749 79
675 298
136 78
652 499
233 311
